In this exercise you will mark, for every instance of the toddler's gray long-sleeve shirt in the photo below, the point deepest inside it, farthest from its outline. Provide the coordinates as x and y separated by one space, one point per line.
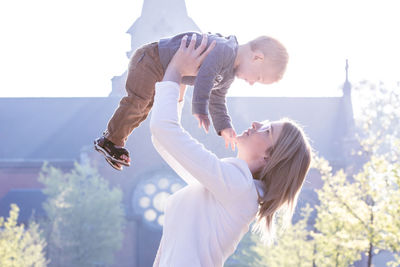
215 76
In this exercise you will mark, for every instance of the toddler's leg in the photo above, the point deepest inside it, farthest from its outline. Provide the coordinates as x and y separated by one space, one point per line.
144 71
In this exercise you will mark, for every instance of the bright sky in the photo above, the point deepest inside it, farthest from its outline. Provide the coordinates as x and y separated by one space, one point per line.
53 48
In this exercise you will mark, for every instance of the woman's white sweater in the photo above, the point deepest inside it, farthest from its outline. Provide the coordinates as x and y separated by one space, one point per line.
205 220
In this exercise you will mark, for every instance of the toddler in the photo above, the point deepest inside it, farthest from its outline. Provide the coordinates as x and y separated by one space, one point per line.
262 60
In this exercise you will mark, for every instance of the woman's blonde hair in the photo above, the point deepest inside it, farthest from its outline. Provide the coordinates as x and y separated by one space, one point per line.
282 177
274 51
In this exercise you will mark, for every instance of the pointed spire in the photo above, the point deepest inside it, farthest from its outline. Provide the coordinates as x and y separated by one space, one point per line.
347 99
350 143
347 85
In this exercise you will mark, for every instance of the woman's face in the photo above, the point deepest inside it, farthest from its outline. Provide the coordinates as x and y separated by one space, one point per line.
254 143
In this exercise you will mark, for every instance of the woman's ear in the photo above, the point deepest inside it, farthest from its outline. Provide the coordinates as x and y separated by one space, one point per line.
266 159
262 161
259 164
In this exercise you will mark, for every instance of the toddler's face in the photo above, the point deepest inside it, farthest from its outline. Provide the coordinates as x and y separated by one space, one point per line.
255 70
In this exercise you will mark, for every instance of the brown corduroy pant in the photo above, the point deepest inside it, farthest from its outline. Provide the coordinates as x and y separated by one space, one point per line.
145 69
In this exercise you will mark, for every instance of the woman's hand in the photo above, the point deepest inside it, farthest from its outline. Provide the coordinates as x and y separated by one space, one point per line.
187 60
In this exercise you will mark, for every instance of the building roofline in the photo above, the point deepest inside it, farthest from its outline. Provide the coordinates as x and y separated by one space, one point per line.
35 163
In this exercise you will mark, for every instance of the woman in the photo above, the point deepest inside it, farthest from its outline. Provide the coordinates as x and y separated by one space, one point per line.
205 220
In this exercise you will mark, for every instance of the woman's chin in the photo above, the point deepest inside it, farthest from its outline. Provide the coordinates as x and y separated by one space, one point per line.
240 138
244 134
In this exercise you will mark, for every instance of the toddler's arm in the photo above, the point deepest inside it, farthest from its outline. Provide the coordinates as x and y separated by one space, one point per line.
219 110
209 69
219 114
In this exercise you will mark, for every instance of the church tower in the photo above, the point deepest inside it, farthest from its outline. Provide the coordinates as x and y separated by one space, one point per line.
348 103
350 144
159 18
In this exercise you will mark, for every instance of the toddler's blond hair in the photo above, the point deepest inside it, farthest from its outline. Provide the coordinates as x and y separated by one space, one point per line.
274 51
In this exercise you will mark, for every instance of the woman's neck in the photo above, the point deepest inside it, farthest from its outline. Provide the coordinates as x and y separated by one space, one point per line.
253 166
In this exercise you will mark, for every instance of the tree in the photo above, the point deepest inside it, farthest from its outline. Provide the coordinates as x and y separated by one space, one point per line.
339 238
353 213
85 217
377 117
294 245
391 210
246 254
20 247
379 133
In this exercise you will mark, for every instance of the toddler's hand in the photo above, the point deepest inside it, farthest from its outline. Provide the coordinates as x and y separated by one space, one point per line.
203 121
229 136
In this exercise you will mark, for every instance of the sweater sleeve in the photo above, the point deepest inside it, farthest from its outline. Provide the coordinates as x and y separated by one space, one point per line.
189 158
171 161
219 111
204 83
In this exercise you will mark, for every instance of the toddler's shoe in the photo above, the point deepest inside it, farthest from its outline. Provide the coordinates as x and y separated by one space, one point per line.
111 152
